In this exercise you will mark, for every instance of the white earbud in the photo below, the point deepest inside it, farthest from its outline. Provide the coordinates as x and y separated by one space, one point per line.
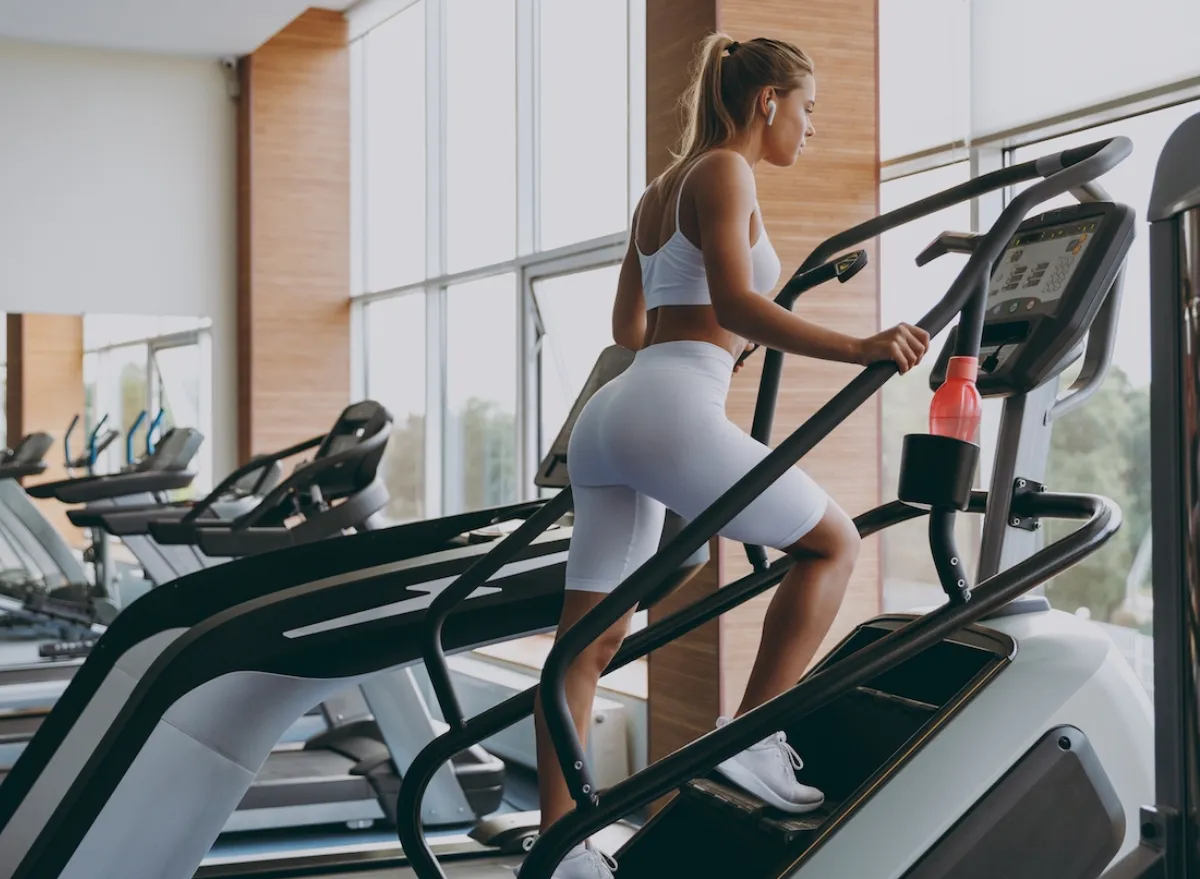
770 112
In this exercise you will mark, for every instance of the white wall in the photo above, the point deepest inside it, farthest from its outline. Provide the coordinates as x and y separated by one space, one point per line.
118 195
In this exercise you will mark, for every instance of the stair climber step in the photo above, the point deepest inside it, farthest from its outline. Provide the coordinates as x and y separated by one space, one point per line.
747 809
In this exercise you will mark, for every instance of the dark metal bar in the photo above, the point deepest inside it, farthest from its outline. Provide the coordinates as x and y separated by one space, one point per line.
821 687
470 580
626 596
952 574
254 464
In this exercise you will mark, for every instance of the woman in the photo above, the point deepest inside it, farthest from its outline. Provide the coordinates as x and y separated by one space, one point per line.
692 294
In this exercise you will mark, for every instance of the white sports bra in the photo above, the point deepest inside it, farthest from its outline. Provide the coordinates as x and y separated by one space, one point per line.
674 274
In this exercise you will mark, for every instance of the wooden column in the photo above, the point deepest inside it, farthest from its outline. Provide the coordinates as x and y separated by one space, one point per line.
44 391
294 234
834 186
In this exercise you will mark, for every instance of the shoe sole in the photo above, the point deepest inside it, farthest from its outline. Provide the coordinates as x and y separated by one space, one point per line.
753 784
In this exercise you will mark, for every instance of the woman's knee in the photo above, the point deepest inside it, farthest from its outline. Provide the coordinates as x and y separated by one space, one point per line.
598 655
835 538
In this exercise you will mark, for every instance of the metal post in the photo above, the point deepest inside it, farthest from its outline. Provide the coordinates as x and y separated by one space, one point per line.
1022 449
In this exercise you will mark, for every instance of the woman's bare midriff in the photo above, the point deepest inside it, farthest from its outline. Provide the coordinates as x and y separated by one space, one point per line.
695 323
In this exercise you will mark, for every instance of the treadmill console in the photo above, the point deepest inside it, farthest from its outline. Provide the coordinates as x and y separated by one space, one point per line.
1044 293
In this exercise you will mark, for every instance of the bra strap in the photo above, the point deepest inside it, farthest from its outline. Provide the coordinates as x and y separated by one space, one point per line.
679 191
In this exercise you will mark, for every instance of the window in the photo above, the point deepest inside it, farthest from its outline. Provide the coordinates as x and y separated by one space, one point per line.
583 121
924 74
394 156
484 262
574 312
1036 59
481 394
395 344
481 129
1104 445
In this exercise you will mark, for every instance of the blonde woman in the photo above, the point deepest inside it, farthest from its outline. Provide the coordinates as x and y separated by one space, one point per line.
693 293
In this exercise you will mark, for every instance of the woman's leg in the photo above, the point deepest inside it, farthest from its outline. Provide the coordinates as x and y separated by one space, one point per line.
583 676
804 606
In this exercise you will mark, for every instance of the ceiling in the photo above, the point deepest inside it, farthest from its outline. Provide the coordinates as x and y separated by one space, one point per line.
184 27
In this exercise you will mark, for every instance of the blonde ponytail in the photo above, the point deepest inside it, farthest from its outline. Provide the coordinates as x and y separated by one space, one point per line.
718 102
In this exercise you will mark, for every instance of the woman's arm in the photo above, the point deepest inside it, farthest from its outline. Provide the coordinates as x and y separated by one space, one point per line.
724 192
629 324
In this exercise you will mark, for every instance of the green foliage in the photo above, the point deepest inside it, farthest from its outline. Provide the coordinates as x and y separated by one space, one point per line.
486 457
1104 448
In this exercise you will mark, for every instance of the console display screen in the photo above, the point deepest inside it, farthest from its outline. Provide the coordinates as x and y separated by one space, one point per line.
1037 266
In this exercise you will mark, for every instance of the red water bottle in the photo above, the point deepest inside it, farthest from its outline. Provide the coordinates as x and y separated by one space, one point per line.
957 408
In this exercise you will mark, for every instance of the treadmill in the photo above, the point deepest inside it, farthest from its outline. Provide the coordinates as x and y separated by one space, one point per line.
356 601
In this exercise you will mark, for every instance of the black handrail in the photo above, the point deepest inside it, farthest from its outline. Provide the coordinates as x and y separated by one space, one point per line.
627 594
768 389
470 580
821 687
470 732
254 464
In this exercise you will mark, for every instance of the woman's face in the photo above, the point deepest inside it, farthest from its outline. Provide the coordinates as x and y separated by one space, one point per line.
785 138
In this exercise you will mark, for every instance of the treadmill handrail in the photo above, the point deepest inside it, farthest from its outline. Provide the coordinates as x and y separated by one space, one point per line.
255 463
1103 519
307 474
630 592
137 422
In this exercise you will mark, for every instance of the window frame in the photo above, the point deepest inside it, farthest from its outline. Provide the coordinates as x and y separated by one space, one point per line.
529 263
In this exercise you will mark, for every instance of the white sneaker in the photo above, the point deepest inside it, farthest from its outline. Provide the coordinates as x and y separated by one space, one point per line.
767 770
583 863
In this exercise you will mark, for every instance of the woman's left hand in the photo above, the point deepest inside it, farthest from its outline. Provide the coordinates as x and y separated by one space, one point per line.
751 347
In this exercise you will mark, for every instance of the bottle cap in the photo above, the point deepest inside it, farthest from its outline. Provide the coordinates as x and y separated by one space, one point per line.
963 368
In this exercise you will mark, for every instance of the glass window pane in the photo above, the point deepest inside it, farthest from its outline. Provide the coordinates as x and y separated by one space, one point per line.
179 371
907 292
1032 59
583 117
576 314
395 339
481 394
481 128
394 150
1103 446
924 68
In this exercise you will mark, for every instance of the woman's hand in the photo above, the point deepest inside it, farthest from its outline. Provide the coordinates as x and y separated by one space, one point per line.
751 347
904 344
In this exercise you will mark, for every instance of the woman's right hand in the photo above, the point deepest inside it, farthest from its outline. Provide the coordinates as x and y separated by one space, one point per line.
904 344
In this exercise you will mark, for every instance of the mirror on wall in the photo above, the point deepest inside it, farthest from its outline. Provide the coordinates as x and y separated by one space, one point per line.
138 375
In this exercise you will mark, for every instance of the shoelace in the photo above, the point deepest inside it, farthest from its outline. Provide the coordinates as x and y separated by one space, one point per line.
788 751
605 858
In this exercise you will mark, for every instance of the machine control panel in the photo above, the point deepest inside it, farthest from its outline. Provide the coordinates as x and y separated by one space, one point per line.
1043 294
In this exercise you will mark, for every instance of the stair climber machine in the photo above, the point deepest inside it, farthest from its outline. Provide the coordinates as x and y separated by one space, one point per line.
990 736
167 730
1167 848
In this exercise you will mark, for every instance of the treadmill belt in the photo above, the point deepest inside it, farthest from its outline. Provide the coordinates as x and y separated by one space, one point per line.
295 778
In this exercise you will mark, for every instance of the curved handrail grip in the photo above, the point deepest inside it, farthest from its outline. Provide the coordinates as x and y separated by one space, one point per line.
67 440
154 425
629 593
468 581
308 473
137 422
249 467
1103 518
93 451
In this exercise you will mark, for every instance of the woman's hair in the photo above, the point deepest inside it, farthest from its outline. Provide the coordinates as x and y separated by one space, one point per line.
727 78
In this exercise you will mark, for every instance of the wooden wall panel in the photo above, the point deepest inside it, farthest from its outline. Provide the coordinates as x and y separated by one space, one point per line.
294 234
682 677
834 186
44 391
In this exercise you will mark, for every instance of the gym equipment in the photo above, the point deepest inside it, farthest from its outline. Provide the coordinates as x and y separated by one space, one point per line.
971 740
1167 848
331 614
